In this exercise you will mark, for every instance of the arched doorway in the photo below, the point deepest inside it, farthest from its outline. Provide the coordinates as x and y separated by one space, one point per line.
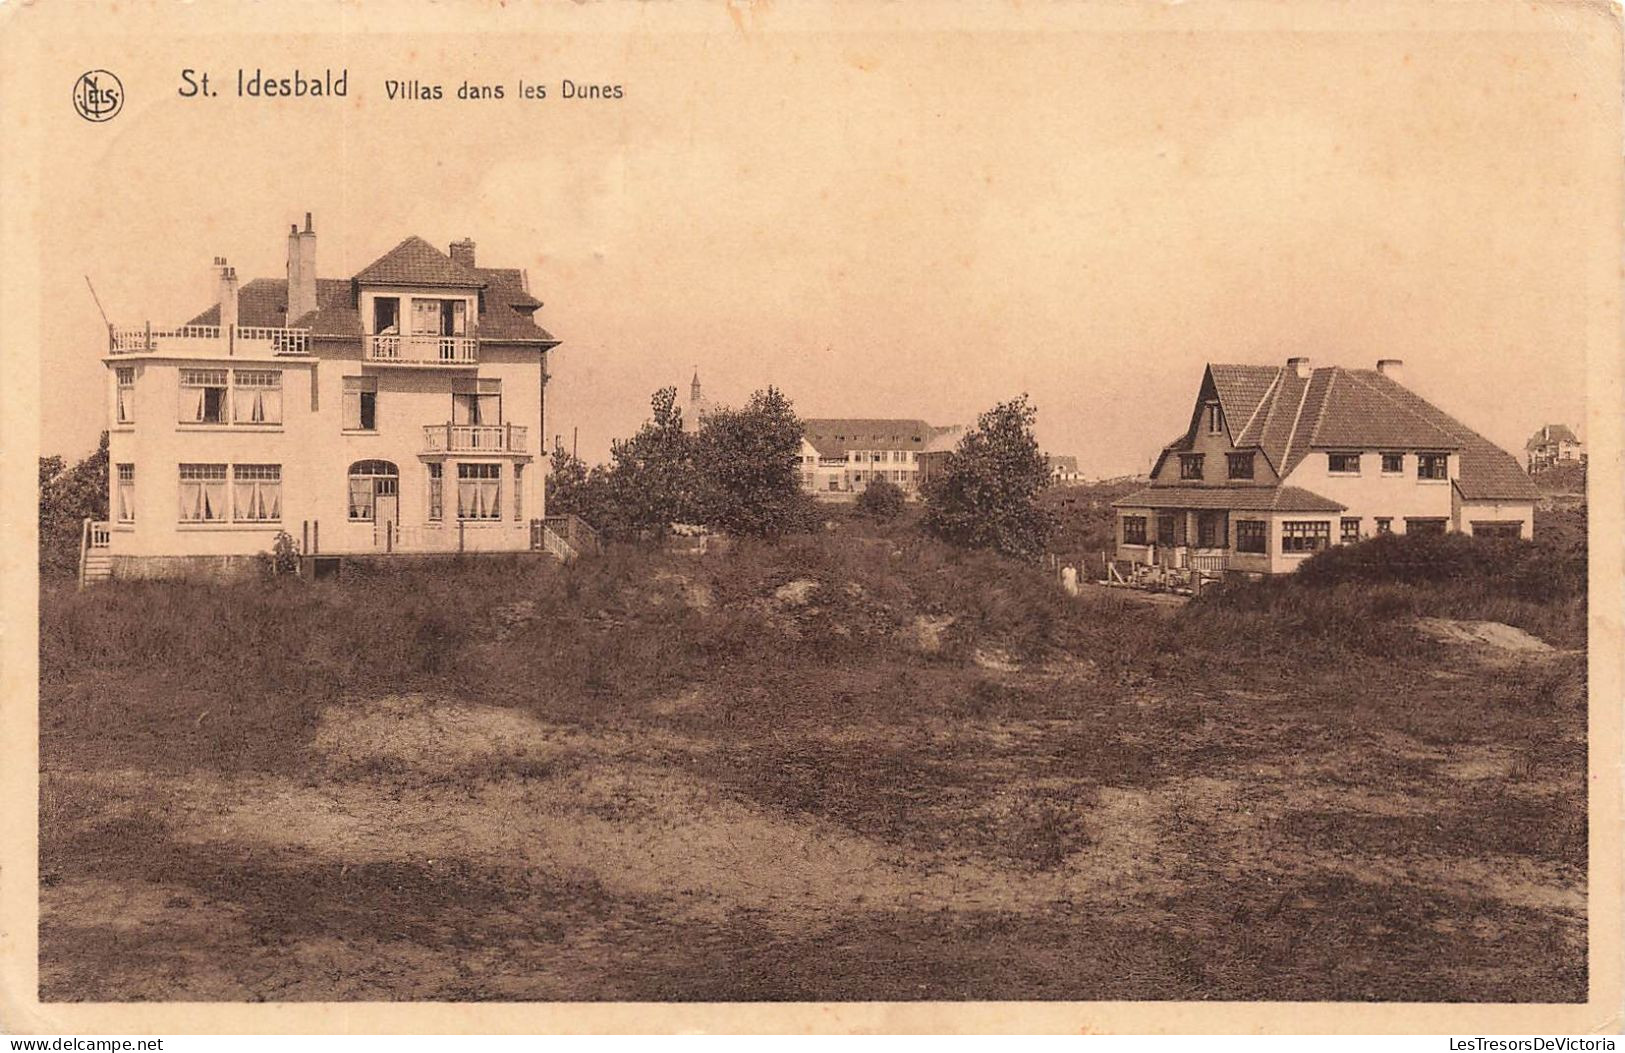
375 497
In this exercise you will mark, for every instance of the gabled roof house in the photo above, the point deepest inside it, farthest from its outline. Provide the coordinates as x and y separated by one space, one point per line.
1278 462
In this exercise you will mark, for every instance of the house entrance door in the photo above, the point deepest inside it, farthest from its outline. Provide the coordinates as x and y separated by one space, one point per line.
386 531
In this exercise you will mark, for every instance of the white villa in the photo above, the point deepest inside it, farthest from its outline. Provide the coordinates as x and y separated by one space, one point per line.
397 410
1279 463
841 456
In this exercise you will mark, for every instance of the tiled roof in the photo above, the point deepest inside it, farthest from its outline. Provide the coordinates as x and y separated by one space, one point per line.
1336 408
508 308
264 302
506 313
836 436
1551 433
1488 473
1230 498
1241 390
416 262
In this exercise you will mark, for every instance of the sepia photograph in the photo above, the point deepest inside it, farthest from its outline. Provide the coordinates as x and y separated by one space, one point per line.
721 504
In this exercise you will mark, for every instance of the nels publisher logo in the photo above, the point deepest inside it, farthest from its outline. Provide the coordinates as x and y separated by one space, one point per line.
98 96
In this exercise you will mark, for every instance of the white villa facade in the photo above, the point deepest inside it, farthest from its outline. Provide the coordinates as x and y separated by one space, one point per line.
398 410
1279 463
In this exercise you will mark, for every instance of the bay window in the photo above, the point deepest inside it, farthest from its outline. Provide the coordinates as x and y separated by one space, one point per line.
479 491
437 498
1305 536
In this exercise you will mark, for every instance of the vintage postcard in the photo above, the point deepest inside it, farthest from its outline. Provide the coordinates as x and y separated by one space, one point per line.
734 516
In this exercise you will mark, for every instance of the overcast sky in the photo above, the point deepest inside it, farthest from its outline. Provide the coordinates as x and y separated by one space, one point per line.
886 225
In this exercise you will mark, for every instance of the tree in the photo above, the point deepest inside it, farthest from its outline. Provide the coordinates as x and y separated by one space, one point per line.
987 494
747 465
567 483
650 483
882 499
69 496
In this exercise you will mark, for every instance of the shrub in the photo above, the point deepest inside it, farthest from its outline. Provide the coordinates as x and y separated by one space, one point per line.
283 559
883 499
987 495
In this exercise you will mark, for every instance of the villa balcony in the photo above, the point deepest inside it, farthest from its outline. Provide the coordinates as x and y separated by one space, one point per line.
207 340
474 438
412 349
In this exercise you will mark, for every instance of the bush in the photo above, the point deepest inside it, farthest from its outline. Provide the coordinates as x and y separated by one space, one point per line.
987 495
283 559
883 499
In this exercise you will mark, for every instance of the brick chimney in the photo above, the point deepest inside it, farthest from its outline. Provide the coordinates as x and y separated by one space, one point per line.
463 252
226 295
1300 366
301 271
1392 368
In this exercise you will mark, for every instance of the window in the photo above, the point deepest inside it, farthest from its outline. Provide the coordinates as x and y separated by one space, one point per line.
1433 466
1240 465
439 317
1165 530
368 480
1134 530
1190 466
437 492
1343 463
126 493
361 403
1350 532
1215 419
1393 464
386 315
477 401
256 493
479 491
1385 525
1425 526
126 394
203 396
256 396
1497 528
203 493
1207 531
518 492
1251 536
1305 536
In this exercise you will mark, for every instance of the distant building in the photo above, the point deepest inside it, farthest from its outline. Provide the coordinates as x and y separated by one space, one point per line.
1064 469
698 408
1279 463
842 456
1553 446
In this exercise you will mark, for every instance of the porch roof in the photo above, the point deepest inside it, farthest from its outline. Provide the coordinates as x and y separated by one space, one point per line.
1230 498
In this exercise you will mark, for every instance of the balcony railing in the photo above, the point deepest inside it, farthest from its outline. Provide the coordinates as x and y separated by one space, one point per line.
207 340
475 438
423 350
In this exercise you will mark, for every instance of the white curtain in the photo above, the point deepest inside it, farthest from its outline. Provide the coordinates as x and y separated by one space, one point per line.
360 497
124 406
203 500
126 500
479 499
255 405
193 404
257 499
